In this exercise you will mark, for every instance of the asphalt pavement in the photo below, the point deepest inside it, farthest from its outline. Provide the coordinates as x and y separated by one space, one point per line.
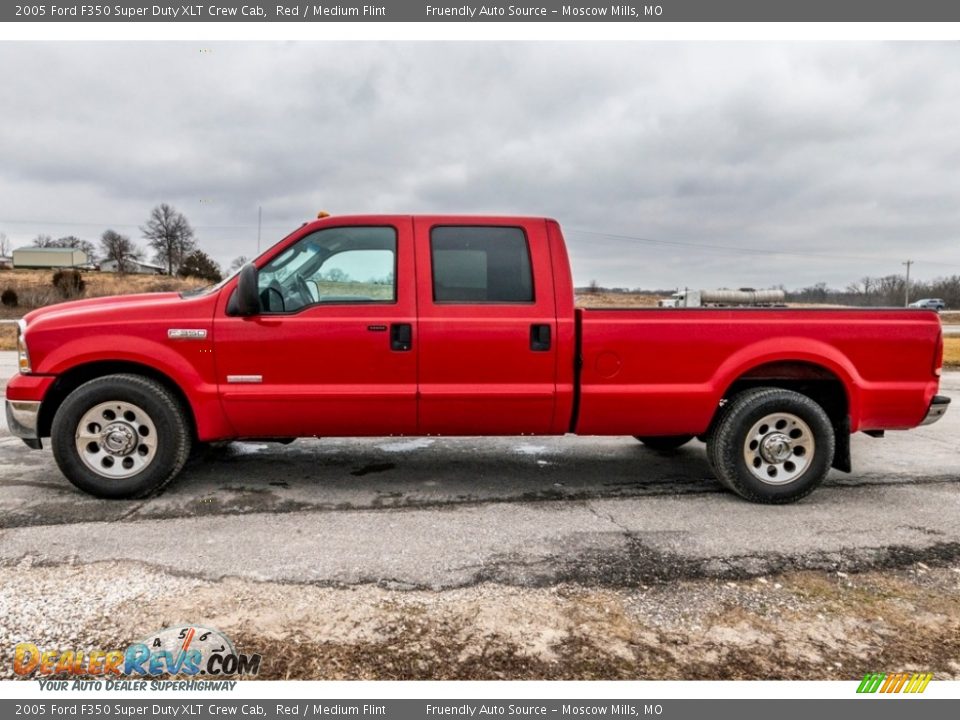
442 513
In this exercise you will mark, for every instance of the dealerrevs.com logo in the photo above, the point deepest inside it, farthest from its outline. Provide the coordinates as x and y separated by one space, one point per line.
189 650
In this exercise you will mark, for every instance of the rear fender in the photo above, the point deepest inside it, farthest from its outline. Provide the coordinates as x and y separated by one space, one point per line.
788 349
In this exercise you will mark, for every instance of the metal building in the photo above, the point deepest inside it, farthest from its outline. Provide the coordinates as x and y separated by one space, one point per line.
133 266
54 257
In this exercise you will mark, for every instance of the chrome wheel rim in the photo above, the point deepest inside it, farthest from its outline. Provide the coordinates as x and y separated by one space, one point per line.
779 448
116 439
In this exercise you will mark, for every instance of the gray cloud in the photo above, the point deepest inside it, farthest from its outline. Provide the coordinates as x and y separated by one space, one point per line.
843 157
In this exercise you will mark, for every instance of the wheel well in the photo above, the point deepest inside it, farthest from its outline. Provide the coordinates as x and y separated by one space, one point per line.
816 382
77 376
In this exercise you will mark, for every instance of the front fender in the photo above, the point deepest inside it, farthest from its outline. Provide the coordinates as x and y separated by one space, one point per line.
188 364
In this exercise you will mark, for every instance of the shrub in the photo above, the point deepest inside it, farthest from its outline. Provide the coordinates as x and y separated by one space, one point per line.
69 283
9 298
37 296
200 265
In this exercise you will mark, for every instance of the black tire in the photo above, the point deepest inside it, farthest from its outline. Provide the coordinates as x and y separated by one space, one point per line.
163 411
740 434
664 443
711 446
209 450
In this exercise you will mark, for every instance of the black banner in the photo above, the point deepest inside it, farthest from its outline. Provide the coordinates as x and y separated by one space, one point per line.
447 11
201 709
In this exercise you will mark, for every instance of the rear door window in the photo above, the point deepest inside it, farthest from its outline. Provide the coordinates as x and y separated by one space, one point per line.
474 264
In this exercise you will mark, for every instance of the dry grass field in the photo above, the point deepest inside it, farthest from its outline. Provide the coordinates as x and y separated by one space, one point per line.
34 289
613 300
951 352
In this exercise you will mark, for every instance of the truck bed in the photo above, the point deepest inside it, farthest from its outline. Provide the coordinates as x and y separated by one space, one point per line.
664 371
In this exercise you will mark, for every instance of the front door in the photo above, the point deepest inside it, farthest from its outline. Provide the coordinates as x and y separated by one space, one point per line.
487 327
333 350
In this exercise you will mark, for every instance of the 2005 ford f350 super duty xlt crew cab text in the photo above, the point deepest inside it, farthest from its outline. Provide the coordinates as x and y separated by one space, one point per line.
426 325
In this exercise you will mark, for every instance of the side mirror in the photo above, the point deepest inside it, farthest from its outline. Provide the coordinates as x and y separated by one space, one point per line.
248 293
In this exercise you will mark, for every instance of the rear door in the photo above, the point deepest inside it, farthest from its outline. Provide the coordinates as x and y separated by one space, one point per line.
486 327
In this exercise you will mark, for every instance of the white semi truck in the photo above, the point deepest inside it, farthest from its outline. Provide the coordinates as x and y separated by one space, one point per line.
745 297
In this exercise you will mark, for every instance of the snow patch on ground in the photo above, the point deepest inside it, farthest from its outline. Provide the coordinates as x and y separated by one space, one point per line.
528 449
407 445
242 448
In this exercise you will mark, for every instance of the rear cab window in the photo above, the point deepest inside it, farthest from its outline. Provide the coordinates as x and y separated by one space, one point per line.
480 264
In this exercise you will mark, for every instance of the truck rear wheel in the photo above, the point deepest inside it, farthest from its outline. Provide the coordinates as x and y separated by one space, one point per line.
120 436
772 445
664 443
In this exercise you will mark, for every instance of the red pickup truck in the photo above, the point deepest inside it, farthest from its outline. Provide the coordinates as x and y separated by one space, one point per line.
427 325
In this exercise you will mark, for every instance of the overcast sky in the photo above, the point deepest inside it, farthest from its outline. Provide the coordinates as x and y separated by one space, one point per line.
843 158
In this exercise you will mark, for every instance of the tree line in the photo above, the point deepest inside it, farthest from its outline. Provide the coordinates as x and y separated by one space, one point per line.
885 291
169 236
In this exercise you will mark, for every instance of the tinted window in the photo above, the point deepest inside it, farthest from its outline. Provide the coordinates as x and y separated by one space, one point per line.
348 264
480 265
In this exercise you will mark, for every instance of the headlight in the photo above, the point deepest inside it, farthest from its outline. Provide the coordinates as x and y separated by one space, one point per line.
23 357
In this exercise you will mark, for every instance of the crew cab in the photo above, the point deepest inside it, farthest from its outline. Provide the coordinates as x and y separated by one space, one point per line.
450 325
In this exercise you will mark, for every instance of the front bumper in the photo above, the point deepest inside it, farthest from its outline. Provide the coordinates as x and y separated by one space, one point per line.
22 419
937 409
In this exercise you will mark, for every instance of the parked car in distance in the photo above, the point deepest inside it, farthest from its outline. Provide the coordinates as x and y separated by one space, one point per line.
929 304
381 325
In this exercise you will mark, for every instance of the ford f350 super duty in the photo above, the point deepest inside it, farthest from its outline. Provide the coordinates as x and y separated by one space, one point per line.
427 325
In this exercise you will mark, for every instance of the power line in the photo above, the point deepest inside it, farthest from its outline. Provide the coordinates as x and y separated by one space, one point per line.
132 225
726 248
742 250
614 236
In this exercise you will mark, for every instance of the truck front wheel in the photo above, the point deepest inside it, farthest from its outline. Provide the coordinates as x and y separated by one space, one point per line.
772 445
120 436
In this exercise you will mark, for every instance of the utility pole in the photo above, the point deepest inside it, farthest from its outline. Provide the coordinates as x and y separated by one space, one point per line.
259 222
906 300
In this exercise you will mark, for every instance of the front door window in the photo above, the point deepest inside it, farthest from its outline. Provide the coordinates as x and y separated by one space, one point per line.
334 265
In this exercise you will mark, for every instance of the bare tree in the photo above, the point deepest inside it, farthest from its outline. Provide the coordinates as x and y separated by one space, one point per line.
121 249
336 274
170 235
4 245
238 262
68 241
72 241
